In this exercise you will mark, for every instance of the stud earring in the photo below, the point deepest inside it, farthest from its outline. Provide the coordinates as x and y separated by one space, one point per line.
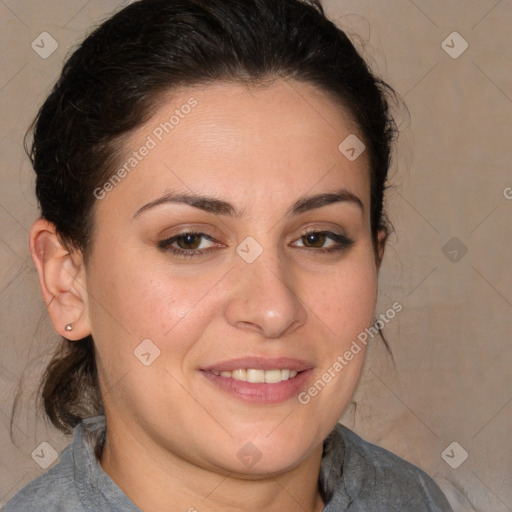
69 327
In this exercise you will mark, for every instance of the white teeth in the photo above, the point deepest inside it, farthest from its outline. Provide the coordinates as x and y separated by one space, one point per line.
257 376
273 376
239 375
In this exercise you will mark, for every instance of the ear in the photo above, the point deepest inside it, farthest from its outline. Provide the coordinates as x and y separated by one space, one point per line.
382 236
62 280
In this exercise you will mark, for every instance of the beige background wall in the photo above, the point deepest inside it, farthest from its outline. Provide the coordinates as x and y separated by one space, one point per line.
452 180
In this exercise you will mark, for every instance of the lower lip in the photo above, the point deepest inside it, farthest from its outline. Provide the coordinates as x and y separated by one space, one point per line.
261 393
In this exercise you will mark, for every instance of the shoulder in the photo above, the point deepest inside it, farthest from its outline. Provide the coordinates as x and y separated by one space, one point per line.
374 475
52 491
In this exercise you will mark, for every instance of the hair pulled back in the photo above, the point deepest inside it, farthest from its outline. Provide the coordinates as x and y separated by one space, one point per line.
114 82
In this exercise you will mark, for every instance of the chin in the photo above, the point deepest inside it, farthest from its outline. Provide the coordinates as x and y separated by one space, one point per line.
268 454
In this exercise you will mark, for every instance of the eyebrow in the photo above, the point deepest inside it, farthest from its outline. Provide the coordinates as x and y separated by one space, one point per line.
219 207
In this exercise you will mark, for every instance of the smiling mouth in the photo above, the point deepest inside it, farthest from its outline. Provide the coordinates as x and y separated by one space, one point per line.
257 376
277 382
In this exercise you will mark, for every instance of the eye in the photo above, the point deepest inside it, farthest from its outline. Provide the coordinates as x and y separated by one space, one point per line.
189 243
324 241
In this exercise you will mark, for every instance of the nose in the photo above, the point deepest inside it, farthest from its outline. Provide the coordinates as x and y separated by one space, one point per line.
264 299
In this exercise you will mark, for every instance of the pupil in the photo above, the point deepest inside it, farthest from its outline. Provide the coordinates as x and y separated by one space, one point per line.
189 241
315 239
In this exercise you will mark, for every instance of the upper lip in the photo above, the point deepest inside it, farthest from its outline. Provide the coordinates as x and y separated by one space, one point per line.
260 363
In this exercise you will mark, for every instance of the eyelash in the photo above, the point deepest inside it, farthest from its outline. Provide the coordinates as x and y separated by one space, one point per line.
343 243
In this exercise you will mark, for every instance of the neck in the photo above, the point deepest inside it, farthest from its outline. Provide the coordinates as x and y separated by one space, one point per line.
157 480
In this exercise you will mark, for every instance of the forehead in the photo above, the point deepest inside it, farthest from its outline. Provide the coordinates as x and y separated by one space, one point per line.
253 145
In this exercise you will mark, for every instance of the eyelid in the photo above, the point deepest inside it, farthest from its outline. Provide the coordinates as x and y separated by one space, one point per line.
328 228
167 242
184 228
342 240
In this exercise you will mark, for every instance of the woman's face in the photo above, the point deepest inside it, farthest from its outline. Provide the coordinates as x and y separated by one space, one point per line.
249 172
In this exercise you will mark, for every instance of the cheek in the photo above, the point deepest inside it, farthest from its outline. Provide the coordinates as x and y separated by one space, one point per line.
345 298
140 299
134 301
155 300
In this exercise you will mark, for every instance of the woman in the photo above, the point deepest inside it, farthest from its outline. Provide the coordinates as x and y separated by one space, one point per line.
211 179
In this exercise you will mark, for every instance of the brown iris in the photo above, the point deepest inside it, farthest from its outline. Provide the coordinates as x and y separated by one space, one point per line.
314 240
188 241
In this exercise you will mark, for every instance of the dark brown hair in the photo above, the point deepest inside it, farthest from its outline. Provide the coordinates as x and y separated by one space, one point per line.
113 83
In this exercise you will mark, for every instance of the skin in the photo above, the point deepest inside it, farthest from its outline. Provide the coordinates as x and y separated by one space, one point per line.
173 437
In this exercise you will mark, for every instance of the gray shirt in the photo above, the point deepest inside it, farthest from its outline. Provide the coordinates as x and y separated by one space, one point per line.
354 476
